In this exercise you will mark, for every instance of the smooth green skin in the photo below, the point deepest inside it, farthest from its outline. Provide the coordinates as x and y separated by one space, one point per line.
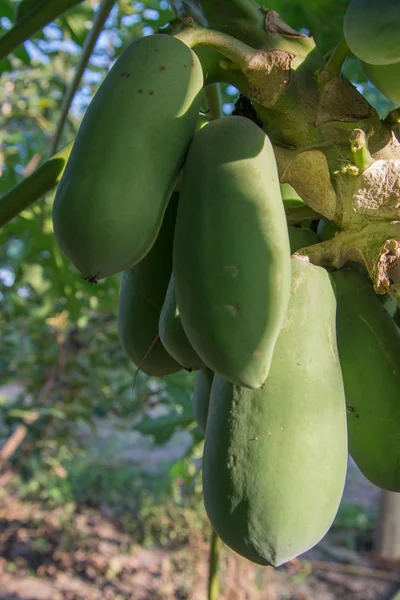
172 334
289 196
127 156
372 30
369 351
386 78
201 397
141 298
301 237
275 459
231 250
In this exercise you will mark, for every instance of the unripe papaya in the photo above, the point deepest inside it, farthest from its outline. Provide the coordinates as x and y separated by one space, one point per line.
369 351
231 250
127 156
172 334
275 458
289 196
201 396
372 30
300 237
141 298
386 78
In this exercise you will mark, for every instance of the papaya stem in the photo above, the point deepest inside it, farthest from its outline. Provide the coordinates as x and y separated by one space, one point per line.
33 187
213 566
336 60
238 52
359 147
33 21
88 46
212 94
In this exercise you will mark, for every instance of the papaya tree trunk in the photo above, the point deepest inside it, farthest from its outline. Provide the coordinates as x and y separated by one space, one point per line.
388 533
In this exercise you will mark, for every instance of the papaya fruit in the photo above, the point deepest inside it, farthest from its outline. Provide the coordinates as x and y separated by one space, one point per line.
172 335
201 396
386 78
141 299
127 156
289 196
369 351
231 250
372 30
275 458
300 237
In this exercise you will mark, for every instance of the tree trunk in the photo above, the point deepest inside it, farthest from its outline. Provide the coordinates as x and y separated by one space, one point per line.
388 534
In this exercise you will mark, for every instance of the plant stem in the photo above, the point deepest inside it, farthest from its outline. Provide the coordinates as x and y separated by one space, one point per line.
212 94
215 546
33 21
230 47
337 58
90 42
32 188
359 147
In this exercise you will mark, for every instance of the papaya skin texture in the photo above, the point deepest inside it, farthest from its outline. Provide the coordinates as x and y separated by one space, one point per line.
369 351
201 396
275 459
386 78
172 334
372 30
141 298
127 156
231 250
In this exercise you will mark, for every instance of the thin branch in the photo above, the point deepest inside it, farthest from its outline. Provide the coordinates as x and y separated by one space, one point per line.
212 94
88 47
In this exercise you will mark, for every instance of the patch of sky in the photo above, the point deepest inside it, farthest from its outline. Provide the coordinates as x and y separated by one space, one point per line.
228 108
128 20
147 31
164 5
7 276
151 15
35 53
305 31
5 23
139 6
231 90
24 292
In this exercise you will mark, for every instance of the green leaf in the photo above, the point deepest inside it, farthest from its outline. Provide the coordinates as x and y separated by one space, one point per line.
164 427
7 9
25 6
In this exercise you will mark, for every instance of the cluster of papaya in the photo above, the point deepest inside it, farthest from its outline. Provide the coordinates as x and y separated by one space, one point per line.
372 32
212 283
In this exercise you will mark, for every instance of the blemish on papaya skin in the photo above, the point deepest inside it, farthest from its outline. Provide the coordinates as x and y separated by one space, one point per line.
163 68
151 93
232 309
232 270
140 91
125 74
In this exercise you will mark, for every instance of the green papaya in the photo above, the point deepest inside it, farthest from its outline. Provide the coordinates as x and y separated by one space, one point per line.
372 30
172 334
231 250
141 298
201 396
275 458
300 237
386 78
289 196
127 156
369 351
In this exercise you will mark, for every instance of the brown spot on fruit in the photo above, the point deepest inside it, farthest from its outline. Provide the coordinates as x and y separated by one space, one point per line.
163 68
140 91
151 93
